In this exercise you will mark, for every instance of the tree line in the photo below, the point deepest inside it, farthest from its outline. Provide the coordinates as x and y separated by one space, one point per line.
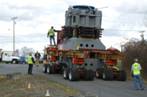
135 49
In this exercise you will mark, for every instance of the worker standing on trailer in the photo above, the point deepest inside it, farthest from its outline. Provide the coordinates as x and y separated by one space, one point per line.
51 35
136 74
30 61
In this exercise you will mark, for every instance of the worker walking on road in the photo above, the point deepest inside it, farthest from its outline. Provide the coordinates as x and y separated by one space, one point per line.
136 74
30 61
51 35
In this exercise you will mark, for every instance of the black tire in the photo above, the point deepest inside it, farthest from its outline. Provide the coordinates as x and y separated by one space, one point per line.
73 75
61 70
14 61
62 67
51 69
99 73
45 67
107 75
89 75
122 76
58 69
65 73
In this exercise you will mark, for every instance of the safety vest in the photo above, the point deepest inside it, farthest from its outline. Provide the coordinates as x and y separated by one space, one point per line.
51 32
29 60
136 69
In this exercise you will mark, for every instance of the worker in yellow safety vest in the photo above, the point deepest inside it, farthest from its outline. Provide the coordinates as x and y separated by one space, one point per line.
51 35
30 61
136 74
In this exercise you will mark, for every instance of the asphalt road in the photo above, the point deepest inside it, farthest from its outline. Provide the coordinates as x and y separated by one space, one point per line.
97 87
17 68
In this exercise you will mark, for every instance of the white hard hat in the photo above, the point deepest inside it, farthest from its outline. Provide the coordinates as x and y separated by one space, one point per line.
136 60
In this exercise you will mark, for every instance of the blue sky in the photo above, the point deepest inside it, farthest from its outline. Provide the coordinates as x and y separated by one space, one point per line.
122 20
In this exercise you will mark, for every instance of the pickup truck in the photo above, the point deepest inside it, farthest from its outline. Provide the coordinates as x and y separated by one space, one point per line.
8 57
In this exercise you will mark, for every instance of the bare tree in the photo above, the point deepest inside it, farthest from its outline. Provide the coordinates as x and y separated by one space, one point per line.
135 49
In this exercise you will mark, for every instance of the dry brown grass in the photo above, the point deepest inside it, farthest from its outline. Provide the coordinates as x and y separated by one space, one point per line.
17 86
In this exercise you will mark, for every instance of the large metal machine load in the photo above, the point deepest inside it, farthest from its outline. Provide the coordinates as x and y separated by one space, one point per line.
82 28
84 20
79 53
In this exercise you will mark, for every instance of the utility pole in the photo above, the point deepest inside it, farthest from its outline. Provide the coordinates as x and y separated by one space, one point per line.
14 22
142 36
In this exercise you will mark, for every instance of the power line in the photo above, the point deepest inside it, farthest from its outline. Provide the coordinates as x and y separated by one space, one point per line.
121 30
14 22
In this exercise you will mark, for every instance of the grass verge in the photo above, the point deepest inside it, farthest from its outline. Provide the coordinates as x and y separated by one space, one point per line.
33 86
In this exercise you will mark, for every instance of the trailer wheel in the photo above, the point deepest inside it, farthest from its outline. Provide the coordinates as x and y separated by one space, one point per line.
89 75
60 69
62 66
122 76
99 73
65 73
50 69
73 75
107 75
45 68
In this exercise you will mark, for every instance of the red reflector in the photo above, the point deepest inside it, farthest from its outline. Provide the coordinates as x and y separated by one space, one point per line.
53 49
111 62
53 58
77 60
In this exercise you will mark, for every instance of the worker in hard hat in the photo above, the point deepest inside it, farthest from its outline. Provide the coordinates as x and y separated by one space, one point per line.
136 74
30 61
51 35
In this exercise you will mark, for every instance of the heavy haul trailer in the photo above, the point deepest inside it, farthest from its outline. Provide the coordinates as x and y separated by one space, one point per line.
80 36
74 64
111 65
79 51
78 65
53 66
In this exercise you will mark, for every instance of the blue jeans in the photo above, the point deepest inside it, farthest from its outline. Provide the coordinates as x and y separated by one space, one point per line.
52 38
138 82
